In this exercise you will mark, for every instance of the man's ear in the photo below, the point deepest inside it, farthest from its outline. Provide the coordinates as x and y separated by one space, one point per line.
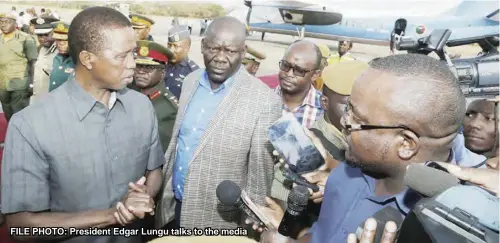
408 144
315 75
87 59
202 43
324 102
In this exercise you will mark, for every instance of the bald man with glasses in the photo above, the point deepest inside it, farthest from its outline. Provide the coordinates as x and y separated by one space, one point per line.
299 68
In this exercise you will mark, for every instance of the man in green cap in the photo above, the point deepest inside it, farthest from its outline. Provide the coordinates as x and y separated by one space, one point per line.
18 54
62 66
47 52
150 69
142 26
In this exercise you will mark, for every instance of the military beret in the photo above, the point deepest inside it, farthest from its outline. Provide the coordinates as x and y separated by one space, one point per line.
152 53
178 33
325 50
340 77
253 55
43 25
8 16
140 21
61 30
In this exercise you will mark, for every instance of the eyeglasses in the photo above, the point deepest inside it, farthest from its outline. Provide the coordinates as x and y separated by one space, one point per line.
297 71
359 127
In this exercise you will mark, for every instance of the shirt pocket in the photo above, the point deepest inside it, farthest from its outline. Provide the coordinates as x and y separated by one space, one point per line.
18 49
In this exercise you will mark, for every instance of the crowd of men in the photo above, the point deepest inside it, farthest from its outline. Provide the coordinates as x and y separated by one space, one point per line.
122 131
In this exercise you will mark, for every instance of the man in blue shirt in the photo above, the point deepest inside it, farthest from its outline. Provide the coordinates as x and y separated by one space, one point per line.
396 115
220 134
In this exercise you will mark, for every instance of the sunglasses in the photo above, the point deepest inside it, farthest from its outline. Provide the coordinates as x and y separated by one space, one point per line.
297 71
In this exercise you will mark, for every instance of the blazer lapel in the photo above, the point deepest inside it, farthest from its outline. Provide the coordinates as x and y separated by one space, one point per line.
190 84
224 107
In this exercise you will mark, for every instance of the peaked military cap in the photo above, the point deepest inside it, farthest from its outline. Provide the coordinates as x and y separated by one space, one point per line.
43 25
340 77
253 55
140 21
61 30
152 53
178 33
8 16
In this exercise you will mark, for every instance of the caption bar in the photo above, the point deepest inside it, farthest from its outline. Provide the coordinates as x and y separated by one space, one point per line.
70 232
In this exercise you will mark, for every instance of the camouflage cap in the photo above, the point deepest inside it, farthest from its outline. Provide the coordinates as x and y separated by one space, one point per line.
178 33
140 21
8 16
43 25
340 77
152 53
61 30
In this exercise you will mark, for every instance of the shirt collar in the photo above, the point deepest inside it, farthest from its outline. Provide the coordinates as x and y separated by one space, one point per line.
83 101
204 82
184 62
312 98
406 199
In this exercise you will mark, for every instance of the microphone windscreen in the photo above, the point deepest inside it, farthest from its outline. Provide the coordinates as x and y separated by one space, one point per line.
428 181
228 192
298 198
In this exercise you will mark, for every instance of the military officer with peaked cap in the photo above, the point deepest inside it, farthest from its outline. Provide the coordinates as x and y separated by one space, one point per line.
252 60
179 41
48 50
151 58
142 26
63 65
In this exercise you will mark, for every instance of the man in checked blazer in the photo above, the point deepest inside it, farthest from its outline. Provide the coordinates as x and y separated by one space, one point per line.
220 134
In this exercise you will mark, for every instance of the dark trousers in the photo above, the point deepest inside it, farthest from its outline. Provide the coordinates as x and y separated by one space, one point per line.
13 101
202 31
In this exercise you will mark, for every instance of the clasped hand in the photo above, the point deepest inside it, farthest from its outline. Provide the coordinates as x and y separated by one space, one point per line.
136 203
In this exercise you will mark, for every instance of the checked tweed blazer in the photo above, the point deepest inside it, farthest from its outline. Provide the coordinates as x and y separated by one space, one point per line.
234 147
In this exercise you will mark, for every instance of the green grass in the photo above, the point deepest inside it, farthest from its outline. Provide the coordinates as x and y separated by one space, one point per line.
172 9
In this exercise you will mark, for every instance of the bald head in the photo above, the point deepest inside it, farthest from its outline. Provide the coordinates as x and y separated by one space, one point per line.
307 50
223 48
226 24
422 93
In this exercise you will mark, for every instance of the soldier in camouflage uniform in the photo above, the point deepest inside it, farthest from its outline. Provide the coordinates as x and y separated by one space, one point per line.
150 70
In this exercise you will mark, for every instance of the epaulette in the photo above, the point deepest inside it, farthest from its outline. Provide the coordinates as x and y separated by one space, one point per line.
154 95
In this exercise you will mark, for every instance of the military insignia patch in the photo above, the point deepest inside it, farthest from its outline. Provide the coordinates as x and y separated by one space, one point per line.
68 70
40 21
176 38
144 51
60 27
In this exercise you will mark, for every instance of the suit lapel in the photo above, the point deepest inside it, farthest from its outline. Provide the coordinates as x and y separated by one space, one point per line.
190 84
224 107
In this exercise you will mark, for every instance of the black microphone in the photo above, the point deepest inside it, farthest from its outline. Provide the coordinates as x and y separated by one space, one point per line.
428 181
294 218
382 217
230 194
